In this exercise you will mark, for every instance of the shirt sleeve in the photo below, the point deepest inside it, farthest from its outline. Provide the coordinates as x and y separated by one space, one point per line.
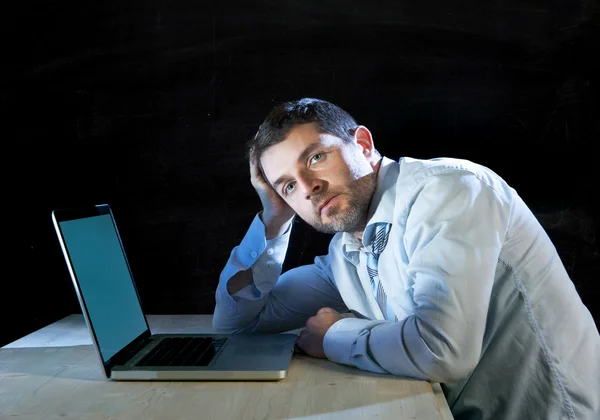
273 302
454 233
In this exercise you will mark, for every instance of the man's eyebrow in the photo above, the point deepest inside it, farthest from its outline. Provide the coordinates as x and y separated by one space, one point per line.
303 156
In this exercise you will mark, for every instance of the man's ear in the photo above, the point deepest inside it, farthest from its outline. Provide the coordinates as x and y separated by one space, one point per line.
364 139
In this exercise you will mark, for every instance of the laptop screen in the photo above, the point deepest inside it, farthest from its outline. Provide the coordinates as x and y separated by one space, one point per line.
105 282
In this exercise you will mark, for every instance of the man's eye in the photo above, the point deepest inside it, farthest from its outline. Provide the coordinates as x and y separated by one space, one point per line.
288 188
316 158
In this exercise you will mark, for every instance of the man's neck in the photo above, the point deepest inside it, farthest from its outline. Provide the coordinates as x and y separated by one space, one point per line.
358 234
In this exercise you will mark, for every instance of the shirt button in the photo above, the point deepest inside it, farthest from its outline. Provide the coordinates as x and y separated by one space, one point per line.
254 254
270 251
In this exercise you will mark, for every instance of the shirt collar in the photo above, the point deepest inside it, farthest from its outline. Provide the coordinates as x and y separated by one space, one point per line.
381 208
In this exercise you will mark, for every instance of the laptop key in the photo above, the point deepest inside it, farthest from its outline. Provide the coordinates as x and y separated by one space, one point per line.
182 351
203 355
148 359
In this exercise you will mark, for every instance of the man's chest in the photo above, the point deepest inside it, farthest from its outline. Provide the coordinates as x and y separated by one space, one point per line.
354 279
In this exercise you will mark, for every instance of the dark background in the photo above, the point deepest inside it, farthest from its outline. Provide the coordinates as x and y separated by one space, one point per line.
145 105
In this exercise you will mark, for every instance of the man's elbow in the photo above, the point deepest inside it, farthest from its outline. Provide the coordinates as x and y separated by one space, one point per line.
218 326
226 325
451 368
447 358
223 325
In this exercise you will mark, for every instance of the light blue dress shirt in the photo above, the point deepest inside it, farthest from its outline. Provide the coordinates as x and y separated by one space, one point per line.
484 303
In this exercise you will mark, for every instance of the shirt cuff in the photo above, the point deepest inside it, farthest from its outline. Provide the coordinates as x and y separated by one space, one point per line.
252 244
264 257
345 341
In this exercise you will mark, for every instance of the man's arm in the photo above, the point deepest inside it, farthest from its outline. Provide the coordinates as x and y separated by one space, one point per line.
253 296
250 296
273 228
453 239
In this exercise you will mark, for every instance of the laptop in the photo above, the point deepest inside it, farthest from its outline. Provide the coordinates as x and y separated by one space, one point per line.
111 306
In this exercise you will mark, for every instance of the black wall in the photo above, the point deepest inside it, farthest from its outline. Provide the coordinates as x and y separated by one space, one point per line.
146 106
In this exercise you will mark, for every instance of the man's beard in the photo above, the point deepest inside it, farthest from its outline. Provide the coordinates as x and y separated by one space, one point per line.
354 218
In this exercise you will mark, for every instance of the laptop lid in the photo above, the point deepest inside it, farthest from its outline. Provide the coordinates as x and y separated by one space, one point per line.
96 260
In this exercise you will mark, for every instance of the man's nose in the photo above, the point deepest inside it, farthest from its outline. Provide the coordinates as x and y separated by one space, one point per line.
311 186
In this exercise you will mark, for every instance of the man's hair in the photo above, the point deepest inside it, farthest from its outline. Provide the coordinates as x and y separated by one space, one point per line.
330 119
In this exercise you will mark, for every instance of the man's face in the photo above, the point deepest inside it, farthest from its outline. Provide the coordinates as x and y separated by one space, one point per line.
326 181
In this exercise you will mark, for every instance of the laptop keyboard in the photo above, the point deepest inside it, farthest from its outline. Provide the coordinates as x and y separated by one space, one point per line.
183 351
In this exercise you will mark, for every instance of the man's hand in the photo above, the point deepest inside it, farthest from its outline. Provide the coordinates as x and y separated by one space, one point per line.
310 340
276 212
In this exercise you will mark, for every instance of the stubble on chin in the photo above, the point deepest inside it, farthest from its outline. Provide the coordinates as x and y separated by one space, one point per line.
354 217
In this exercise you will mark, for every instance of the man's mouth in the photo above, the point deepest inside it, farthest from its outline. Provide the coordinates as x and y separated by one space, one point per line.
326 204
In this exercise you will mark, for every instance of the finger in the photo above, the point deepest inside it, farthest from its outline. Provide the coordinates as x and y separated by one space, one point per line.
254 171
298 349
301 340
326 311
256 178
257 174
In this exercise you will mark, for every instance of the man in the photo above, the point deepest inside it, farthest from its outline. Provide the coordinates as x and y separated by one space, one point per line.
452 277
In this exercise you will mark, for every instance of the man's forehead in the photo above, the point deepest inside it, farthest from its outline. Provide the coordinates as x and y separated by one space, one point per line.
297 141
276 160
280 156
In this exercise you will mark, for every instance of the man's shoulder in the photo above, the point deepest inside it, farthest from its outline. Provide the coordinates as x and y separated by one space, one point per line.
423 167
414 172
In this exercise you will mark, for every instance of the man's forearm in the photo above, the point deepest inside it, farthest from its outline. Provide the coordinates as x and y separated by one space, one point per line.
256 259
274 228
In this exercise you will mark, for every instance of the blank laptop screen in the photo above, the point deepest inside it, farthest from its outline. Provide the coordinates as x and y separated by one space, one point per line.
104 282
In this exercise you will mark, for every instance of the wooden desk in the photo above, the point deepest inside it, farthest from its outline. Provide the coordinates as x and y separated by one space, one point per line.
54 373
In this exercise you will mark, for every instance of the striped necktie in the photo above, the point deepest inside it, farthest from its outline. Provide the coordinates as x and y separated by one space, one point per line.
382 231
